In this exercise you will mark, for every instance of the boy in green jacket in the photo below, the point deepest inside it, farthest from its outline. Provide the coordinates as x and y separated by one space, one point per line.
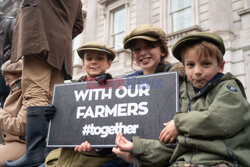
213 123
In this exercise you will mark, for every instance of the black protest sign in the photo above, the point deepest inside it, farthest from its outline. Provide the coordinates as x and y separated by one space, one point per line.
135 106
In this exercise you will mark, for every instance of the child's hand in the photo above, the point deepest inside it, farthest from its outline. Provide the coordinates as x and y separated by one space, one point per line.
123 144
169 133
126 156
84 147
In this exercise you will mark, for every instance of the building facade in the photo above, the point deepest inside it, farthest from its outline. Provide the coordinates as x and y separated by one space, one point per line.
109 20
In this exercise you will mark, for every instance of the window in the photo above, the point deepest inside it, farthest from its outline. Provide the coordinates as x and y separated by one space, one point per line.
117 28
180 13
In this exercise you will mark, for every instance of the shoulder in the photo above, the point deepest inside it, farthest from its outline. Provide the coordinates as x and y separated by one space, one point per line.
230 84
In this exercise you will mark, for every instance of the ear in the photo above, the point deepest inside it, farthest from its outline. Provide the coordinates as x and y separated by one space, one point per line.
221 67
163 54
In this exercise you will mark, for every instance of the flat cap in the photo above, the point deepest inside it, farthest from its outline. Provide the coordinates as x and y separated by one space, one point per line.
12 67
146 32
197 36
96 46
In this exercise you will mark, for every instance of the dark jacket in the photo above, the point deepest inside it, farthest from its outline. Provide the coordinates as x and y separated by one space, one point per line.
6 29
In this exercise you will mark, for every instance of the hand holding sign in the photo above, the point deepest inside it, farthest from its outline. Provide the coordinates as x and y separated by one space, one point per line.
87 111
124 148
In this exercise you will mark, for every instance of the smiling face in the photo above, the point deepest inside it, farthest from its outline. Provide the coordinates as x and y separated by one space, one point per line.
147 55
200 69
95 63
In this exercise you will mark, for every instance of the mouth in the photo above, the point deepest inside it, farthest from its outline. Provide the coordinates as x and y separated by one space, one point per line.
145 59
93 67
198 80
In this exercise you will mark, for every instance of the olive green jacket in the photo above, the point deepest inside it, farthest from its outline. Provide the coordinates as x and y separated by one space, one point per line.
213 126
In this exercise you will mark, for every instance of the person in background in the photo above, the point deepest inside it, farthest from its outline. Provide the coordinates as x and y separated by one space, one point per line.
213 122
96 59
43 36
148 45
6 29
12 115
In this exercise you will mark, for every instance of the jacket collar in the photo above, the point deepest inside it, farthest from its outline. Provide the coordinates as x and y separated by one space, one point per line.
85 78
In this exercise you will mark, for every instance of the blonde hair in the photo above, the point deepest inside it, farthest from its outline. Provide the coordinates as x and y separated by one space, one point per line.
202 48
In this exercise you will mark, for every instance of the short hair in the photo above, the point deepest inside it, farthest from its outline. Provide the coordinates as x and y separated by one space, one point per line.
202 48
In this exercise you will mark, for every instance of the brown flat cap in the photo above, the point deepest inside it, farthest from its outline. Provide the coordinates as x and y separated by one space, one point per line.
97 46
146 32
12 67
197 36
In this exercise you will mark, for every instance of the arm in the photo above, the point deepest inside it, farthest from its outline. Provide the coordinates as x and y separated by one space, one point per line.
14 124
151 152
146 152
223 118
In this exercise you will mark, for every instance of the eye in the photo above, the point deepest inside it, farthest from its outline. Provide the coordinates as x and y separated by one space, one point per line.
89 58
100 58
136 50
189 65
206 63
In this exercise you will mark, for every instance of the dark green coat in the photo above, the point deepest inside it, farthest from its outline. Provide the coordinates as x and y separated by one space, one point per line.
213 127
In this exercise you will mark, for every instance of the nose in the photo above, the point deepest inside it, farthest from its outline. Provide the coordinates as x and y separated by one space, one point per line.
93 61
143 51
197 70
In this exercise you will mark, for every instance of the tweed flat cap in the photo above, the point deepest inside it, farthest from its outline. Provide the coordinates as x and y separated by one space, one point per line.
12 67
97 46
146 32
197 36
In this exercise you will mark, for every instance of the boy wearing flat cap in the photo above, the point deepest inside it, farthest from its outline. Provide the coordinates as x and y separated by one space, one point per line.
96 58
12 115
213 122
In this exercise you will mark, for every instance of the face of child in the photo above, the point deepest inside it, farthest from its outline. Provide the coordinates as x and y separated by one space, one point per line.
200 70
147 55
10 77
95 63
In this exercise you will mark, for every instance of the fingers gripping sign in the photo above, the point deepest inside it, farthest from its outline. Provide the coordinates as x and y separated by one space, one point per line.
124 148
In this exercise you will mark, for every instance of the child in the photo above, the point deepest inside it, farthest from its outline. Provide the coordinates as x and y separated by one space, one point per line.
12 115
96 58
148 45
213 124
